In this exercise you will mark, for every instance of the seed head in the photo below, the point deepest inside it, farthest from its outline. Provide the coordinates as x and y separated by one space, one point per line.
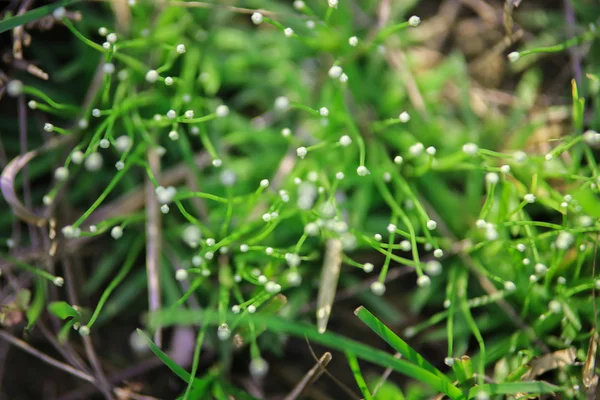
423 281
514 56
414 21
345 141
335 71
116 232
257 18
151 76
378 288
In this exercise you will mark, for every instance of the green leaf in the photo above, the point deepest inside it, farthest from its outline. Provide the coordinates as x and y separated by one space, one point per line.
588 201
358 376
172 365
533 387
63 334
32 15
393 340
62 310
37 306
280 325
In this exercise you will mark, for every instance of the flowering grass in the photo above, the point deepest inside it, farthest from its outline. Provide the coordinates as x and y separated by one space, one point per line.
241 171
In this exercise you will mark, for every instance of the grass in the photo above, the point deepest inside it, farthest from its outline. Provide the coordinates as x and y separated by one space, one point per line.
243 178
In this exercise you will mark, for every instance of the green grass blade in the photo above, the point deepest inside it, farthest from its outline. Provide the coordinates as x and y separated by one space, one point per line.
37 306
533 387
196 360
62 309
127 265
358 376
13 22
172 365
280 325
394 341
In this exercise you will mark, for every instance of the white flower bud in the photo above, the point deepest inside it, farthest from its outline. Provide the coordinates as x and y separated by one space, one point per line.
288 32
378 288
345 141
353 41
335 72
257 18
514 56
529 198
362 171
414 21
93 162
324 111
180 48
222 111
61 174
116 232
423 281
404 117
151 76
301 152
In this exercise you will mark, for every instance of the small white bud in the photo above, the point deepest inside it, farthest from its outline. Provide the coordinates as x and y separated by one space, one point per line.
353 41
264 183
548 157
301 152
510 286
169 81
104 143
61 174
449 361
398 160
368 267
14 88
521 247
58 281
505 169
258 367
111 38
529 198
269 251
377 237
235 309
332 3
32 104
116 232
433 268
481 224
285 132
244 248
299 4
378 288
554 306
540 269
93 162
339 176
526 261
423 281
151 76
123 143
217 162
414 21
404 117
438 253
251 308
266 217
324 111
345 141
470 149
492 178
174 135
84 330
102 31
416 149
96 113
431 151
391 228
223 332
288 32
335 72
180 48
181 274
48 127
222 111
520 156
257 18
362 171
431 224
109 68
514 56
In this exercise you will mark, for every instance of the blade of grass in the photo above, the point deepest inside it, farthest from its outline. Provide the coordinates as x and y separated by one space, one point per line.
360 380
533 387
199 341
13 22
395 342
280 325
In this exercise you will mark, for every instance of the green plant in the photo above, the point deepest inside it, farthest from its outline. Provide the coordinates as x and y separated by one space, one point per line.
266 158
